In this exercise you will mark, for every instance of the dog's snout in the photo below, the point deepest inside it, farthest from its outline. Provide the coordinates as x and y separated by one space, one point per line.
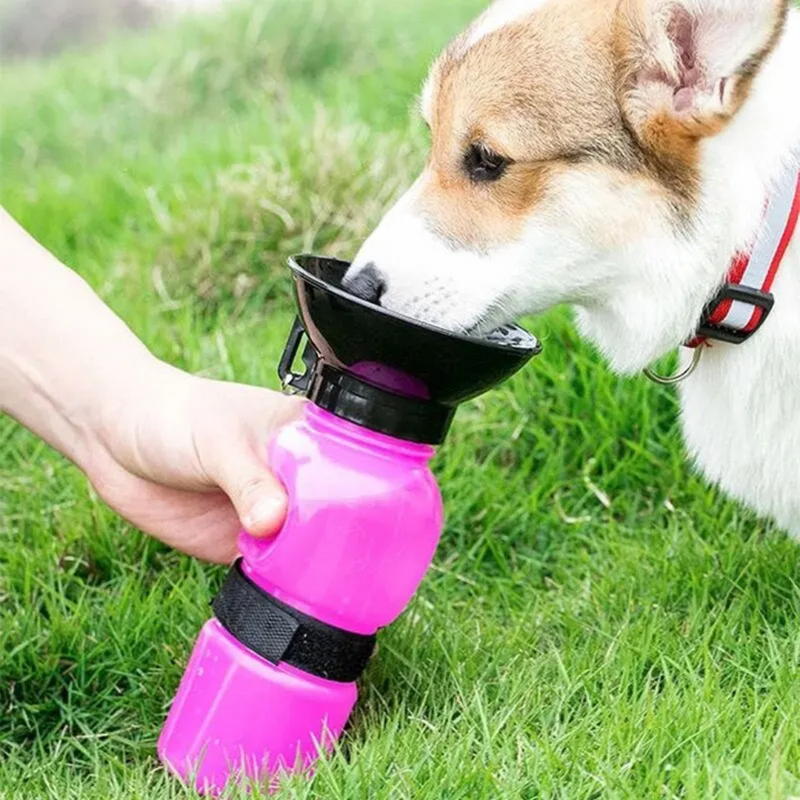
367 284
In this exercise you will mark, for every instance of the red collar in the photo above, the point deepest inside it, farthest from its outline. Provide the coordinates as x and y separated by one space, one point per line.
744 302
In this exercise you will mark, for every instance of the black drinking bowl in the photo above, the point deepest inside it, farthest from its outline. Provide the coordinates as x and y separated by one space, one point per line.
354 342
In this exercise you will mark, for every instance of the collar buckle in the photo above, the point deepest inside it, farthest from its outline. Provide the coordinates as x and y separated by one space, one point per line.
733 292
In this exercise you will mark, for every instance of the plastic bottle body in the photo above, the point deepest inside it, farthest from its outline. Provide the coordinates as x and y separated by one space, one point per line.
363 523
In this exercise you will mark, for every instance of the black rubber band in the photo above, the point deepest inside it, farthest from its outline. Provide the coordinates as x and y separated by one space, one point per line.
279 633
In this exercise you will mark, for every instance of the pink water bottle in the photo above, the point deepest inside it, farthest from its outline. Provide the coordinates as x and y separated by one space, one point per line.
271 681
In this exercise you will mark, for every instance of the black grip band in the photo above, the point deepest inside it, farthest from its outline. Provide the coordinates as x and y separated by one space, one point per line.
280 633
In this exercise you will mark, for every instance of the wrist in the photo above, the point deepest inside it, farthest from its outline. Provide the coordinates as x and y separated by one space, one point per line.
136 418
78 403
63 352
73 373
55 416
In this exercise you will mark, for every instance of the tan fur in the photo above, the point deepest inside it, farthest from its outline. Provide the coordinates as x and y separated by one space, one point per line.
487 95
551 91
670 144
647 135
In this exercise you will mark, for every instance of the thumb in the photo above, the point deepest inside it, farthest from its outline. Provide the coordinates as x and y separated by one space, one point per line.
258 497
237 463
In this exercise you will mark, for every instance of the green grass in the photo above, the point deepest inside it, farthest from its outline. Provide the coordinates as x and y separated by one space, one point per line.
599 623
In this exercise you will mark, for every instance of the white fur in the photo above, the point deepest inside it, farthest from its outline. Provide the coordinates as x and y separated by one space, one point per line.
638 296
497 16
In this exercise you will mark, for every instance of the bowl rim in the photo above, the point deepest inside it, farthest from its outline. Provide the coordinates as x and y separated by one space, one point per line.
534 348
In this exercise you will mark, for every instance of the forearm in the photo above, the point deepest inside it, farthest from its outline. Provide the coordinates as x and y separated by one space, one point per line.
64 355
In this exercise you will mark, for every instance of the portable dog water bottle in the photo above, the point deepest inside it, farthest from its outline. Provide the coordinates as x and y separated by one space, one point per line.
271 680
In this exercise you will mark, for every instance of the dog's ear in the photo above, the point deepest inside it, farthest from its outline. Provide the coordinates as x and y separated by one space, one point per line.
685 67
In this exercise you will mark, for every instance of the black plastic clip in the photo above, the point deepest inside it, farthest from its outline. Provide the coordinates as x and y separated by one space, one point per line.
294 382
743 294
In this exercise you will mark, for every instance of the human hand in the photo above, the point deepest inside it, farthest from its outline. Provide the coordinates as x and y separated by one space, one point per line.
181 457
186 460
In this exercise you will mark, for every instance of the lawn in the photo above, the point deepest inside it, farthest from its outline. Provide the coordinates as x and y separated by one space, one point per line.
598 623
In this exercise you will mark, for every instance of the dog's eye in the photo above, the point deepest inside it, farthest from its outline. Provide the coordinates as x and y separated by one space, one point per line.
482 164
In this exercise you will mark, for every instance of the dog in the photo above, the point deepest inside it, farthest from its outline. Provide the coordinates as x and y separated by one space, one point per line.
618 156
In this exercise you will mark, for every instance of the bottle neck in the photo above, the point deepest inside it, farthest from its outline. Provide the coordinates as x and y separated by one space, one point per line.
329 424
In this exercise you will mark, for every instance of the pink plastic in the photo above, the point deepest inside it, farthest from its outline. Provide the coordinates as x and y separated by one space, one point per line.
364 520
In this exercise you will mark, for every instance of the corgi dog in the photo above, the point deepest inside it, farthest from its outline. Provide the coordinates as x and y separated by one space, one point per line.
638 160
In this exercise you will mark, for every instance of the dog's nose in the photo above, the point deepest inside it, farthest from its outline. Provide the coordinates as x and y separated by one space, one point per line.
367 284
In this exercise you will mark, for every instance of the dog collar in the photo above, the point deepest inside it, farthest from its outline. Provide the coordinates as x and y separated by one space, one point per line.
744 302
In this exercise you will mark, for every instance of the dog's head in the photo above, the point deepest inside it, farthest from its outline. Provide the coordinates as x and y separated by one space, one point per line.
568 162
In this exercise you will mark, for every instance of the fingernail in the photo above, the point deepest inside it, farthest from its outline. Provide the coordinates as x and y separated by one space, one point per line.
266 513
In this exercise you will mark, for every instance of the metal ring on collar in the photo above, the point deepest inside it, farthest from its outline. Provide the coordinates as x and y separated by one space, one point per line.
674 380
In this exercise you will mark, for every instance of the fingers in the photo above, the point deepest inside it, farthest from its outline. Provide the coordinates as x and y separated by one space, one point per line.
285 410
257 495
200 524
259 499
176 495
230 427
242 472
